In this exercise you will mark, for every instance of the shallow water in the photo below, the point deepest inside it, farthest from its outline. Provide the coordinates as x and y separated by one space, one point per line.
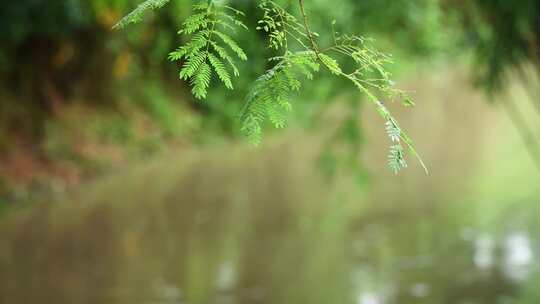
260 232
245 226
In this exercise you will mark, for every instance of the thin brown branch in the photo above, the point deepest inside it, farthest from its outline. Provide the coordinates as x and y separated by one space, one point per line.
307 28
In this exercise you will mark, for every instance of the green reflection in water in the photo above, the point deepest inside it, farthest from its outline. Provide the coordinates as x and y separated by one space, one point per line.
258 228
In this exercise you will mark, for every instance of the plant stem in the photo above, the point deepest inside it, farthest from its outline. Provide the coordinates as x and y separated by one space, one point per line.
307 28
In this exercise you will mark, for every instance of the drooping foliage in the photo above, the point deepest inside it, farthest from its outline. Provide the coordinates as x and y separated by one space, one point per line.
137 14
271 95
207 52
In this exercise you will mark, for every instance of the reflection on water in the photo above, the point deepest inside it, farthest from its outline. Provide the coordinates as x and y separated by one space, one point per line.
471 267
267 233
369 298
518 255
484 250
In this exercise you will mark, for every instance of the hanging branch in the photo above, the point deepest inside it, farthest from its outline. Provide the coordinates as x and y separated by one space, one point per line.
212 27
396 159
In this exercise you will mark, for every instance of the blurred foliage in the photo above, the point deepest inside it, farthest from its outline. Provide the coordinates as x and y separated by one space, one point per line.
504 35
63 55
54 52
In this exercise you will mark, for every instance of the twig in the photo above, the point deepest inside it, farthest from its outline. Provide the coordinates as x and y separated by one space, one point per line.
307 28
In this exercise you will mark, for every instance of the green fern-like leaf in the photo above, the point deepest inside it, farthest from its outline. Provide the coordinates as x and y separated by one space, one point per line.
306 64
194 23
280 25
232 44
201 81
192 65
331 64
223 54
211 49
393 131
270 97
197 43
206 52
221 71
396 158
136 15
201 6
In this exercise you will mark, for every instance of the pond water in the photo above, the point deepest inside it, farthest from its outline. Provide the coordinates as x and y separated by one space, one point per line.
269 243
250 228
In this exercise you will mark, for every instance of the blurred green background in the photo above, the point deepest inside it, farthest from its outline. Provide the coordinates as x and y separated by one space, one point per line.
117 186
